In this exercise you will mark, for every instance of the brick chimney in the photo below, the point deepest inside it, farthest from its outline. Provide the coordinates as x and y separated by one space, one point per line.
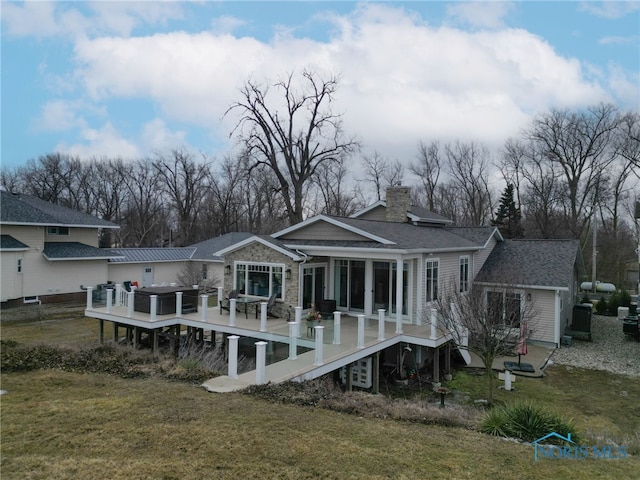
398 203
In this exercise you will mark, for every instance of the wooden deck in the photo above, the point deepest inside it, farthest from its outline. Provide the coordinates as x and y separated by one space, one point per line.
304 366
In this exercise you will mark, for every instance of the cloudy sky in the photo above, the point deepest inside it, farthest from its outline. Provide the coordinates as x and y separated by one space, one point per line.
128 79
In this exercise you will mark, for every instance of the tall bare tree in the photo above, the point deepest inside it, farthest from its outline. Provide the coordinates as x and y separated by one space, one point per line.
468 165
427 169
185 181
292 135
381 172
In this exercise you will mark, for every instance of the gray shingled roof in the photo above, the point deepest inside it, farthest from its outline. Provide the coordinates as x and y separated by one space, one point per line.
152 255
544 263
75 251
21 209
428 216
208 249
406 236
7 242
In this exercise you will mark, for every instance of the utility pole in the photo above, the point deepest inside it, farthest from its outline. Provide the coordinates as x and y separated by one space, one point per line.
594 255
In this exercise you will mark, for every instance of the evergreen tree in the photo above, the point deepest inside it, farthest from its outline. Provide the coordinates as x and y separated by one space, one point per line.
508 218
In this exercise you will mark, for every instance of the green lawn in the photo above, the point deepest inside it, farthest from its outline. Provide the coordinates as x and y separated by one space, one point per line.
61 425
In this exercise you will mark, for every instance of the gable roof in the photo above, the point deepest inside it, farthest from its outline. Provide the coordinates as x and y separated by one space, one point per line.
208 249
268 242
152 255
535 263
392 235
8 243
21 209
75 251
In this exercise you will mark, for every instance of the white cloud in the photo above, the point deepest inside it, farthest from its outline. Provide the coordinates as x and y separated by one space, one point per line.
103 142
157 138
617 40
47 18
226 24
481 14
610 9
402 80
59 116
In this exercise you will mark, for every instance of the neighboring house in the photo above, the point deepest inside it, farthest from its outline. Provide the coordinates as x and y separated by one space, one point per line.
199 263
397 257
48 253
148 266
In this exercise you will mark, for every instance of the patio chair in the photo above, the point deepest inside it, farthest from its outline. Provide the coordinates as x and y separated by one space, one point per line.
225 304
270 304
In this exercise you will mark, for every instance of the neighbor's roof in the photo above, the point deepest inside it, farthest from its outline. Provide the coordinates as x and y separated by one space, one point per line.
396 235
75 251
7 242
541 263
152 255
21 209
208 249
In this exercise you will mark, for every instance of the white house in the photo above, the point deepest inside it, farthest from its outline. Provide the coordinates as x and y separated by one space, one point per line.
48 253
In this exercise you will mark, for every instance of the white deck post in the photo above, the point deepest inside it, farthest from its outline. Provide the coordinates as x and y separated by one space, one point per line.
336 327
89 298
381 324
109 299
360 331
398 322
118 295
232 312
153 307
130 302
232 371
179 304
263 316
203 307
434 323
220 292
319 360
261 367
293 341
298 318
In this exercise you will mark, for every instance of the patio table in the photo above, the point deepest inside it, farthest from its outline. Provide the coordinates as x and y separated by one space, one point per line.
247 301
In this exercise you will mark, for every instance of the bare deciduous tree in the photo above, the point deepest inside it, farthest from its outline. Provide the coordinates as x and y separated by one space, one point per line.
486 321
292 135
428 171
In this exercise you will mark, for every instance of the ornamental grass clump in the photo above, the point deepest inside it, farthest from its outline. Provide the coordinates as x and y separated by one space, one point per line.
526 421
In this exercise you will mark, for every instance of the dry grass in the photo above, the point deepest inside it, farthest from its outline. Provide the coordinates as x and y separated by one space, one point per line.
68 425
59 425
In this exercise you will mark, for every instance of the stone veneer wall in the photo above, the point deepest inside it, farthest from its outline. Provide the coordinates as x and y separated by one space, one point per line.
257 252
398 202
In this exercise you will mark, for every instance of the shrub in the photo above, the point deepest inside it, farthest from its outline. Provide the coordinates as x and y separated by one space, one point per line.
602 306
526 421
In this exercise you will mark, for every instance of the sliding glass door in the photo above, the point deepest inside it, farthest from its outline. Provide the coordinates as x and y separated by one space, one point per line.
349 284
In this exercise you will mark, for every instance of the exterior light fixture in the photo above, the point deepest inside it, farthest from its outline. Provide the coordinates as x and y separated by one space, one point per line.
227 269
288 274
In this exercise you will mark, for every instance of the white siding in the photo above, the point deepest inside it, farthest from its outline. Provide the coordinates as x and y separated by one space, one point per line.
481 256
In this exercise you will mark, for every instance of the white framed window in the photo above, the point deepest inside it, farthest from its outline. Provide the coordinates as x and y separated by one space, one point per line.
431 268
464 274
19 265
58 231
259 279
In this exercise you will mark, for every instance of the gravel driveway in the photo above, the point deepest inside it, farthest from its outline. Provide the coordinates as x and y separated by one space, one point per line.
610 349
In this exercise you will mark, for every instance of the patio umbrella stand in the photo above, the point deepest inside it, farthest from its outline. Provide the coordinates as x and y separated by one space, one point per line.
521 350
